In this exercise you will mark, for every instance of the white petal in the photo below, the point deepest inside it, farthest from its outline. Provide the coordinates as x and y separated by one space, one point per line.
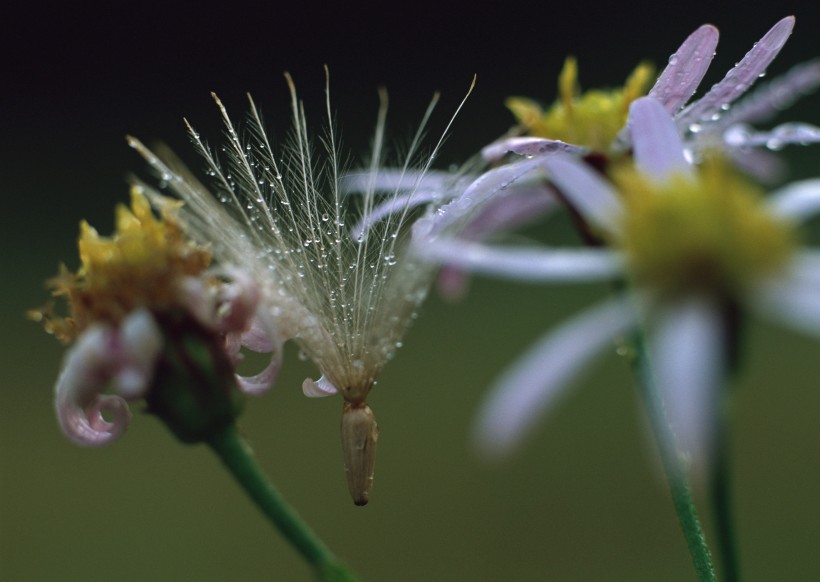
680 79
688 355
738 80
141 342
391 181
526 390
793 300
318 388
529 146
585 190
78 400
796 201
524 263
658 145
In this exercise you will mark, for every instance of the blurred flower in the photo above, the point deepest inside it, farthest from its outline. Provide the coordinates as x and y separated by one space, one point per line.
286 219
688 240
125 289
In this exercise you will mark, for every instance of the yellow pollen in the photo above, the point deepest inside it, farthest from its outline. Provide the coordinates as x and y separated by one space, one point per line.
139 266
591 119
709 232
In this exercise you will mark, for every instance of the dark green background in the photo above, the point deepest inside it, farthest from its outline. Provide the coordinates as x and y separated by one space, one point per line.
582 501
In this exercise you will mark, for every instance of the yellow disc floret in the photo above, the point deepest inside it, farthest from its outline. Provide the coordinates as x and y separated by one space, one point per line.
139 266
591 119
708 232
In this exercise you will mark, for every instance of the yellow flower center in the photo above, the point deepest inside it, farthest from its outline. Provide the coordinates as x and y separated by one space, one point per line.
139 266
709 232
591 119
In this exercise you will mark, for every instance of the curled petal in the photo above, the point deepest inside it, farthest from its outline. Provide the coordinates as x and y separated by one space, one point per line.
261 382
140 342
738 80
79 403
318 388
527 390
680 79
261 338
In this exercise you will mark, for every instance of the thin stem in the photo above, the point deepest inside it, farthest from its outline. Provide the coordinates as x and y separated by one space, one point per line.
721 499
672 464
238 458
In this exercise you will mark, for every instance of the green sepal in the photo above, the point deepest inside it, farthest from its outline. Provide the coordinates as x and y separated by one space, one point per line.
194 391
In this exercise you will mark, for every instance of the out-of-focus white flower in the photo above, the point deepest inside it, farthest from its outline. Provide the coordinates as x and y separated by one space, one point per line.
687 239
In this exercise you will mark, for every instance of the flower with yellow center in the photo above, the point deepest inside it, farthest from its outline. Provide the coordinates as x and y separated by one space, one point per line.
689 240
590 119
134 291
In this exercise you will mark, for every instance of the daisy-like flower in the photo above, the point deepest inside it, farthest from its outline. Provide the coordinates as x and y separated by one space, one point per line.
689 240
345 299
133 296
594 122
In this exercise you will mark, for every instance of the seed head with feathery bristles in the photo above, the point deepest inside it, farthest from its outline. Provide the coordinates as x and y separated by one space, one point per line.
347 300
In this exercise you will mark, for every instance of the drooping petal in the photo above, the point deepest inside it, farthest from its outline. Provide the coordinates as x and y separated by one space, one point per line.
524 263
738 80
586 191
688 354
529 146
657 144
87 369
797 201
318 388
680 79
527 390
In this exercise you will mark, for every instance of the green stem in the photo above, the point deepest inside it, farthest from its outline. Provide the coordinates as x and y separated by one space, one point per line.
672 465
237 456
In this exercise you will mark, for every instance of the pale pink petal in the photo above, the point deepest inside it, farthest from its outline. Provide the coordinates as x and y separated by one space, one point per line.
87 369
396 204
680 79
793 300
261 338
529 147
797 201
657 144
687 346
762 165
392 181
524 263
318 388
792 133
139 344
526 391
587 192
770 100
738 80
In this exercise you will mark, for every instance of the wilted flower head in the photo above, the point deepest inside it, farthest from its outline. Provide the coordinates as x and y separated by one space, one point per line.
120 301
344 293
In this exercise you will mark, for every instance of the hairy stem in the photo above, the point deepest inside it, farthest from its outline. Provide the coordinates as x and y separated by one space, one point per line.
238 458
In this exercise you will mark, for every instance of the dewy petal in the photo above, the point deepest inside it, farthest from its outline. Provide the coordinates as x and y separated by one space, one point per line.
776 138
529 146
528 389
524 263
78 400
395 204
738 80
586 191
657 144
140 340
318 388
797 201
680 79
779 94
392 181
687 348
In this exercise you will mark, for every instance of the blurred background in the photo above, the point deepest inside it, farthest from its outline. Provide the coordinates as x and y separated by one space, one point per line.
582 501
